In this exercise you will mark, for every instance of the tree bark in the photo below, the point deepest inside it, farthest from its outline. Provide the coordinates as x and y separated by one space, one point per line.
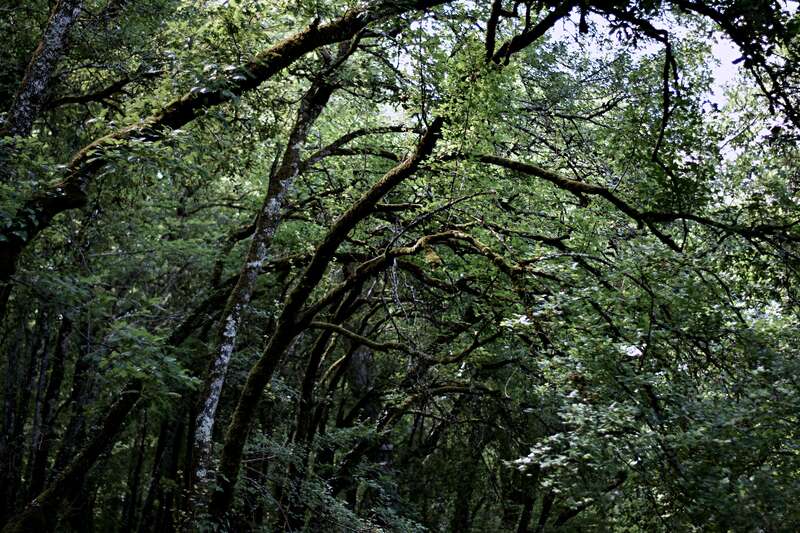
166 435
32 91
20 406
526 514
81 395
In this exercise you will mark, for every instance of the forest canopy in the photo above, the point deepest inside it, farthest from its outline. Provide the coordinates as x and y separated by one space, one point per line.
413 265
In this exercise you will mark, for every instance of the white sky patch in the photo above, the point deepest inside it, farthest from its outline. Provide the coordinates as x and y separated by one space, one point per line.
725 52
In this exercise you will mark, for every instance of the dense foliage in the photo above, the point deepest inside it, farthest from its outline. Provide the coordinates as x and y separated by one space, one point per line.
418 265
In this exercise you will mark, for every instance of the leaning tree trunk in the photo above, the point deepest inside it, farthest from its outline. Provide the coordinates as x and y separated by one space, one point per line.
312 104
292 320
303 434
41 514
32 91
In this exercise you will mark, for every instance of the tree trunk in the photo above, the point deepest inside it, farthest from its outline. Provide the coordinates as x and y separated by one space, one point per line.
7 443
544 515
303 434
31 94
525 514
132 497
163 520
24 389
165 436
311 106
42 512
80 398
292 321
461 519
42 438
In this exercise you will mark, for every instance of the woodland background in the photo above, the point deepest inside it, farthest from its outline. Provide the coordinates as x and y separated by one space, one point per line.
417 265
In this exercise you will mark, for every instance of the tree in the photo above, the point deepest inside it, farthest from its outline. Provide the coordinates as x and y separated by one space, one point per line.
420 265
